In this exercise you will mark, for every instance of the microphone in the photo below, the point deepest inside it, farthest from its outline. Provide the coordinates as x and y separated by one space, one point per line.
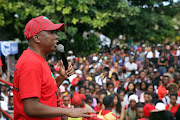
60 49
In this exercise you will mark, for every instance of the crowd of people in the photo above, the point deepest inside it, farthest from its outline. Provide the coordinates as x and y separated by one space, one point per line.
123 83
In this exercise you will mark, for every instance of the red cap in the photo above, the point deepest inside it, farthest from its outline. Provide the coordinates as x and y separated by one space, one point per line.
139 48
76 58
75 93
76 100
82 96
147 109
39 24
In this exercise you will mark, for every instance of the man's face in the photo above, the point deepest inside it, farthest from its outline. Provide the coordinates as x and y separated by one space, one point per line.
82 102
142 75
132 78
66 86
172 91
173 100
132 103
166 80
48 40
152 76
140 112
87 92
82 91
66 101
130 60
89 102
105 73
97 89
110 88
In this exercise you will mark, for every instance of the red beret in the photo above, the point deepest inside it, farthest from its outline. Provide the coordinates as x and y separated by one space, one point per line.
82 96
147 109
76 100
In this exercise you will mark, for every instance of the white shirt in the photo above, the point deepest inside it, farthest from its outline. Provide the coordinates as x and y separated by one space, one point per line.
166 100
99 81
6 99
150 54
131 66
5 108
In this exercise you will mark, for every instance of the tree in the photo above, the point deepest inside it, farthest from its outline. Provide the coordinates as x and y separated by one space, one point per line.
78 16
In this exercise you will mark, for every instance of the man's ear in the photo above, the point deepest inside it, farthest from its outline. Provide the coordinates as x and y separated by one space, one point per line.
36 38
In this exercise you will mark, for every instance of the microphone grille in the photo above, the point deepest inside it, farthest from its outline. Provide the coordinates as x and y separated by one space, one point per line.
60 48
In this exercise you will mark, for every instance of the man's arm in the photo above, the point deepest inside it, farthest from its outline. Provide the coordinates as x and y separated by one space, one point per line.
33 107
64 74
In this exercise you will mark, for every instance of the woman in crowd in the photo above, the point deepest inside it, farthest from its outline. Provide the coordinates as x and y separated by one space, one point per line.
118 110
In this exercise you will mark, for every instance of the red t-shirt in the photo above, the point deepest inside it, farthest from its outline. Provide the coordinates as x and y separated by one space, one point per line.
75 81
1 63
32 78
161 91
173 109
97 108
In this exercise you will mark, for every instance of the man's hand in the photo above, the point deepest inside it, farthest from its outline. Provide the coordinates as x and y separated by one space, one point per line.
79 112
64 74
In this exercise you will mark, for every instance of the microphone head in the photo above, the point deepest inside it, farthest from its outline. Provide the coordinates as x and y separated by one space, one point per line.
60 48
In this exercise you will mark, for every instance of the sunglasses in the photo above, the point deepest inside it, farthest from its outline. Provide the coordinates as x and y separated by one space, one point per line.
65 100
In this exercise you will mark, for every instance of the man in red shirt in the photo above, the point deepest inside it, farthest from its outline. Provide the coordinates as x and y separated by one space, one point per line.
35 90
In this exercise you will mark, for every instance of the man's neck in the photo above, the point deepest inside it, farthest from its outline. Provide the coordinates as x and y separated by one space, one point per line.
38 52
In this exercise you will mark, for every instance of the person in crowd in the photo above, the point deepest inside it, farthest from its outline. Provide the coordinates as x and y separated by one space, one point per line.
108 104
83 104
120 72
150 89
66 101
11 106
110 88
117 109
100 105
162 88
102 78
89 100
151 77
142 76
157 78
130 90
76 101
4 93
130 113
115 80
172 106
4 107
172 88
143 88
77 78
162 63
97 91
146 97
139 111
121 94
130 66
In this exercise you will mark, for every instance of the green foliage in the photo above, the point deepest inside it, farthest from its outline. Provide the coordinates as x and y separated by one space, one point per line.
110 17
